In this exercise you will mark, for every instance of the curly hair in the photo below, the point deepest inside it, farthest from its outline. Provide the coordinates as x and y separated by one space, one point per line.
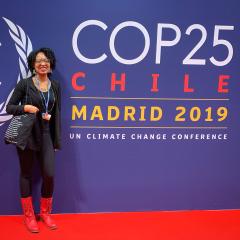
47 52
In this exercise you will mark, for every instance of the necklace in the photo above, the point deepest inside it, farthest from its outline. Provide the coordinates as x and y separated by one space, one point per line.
37 83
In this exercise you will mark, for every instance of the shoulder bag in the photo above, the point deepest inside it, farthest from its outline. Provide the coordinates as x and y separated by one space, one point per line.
20 128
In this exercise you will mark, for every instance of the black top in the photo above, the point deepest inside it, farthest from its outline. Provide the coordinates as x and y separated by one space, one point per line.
43 108
35 98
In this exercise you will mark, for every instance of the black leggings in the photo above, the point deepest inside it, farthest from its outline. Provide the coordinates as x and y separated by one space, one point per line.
46 159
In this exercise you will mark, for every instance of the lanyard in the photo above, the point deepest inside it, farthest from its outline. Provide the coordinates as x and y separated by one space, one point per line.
46 101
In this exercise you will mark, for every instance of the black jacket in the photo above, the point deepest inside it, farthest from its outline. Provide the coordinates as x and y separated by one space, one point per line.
21 96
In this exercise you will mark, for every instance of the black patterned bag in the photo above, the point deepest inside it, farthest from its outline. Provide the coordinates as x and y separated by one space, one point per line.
20 128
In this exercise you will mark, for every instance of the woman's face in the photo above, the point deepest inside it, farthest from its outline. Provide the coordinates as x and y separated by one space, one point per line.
42 64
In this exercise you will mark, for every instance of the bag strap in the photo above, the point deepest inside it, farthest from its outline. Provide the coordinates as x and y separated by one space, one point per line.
27 91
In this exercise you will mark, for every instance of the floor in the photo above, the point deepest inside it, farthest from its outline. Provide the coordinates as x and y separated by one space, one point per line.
179 225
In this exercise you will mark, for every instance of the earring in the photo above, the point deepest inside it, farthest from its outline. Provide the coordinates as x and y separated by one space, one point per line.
34 71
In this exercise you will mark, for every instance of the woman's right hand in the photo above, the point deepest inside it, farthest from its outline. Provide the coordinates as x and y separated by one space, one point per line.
30 109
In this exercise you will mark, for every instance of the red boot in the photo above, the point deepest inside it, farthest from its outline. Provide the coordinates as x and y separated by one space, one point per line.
29 217
45 212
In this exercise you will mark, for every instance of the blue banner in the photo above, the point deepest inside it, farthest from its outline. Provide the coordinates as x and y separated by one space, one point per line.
150 115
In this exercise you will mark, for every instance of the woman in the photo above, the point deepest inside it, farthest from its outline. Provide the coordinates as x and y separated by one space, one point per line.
43 99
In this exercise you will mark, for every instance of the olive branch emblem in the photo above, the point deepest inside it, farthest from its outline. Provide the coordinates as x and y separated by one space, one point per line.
24 47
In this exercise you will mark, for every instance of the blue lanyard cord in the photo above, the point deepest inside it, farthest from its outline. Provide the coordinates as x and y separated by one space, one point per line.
42 99
46 101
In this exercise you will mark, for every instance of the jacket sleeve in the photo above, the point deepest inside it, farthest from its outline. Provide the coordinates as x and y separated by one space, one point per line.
18 95
59 97
57 116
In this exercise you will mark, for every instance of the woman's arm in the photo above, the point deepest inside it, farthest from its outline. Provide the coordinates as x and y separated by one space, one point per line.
18 95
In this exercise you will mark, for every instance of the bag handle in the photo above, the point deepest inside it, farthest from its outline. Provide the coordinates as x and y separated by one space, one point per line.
27 91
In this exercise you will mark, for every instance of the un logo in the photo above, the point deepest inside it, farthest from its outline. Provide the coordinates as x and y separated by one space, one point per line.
23 47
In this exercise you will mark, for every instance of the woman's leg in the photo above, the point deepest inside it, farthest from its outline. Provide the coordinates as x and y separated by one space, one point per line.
26 160
47 162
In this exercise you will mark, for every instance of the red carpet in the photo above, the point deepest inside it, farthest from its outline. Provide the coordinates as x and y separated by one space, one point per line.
188 225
